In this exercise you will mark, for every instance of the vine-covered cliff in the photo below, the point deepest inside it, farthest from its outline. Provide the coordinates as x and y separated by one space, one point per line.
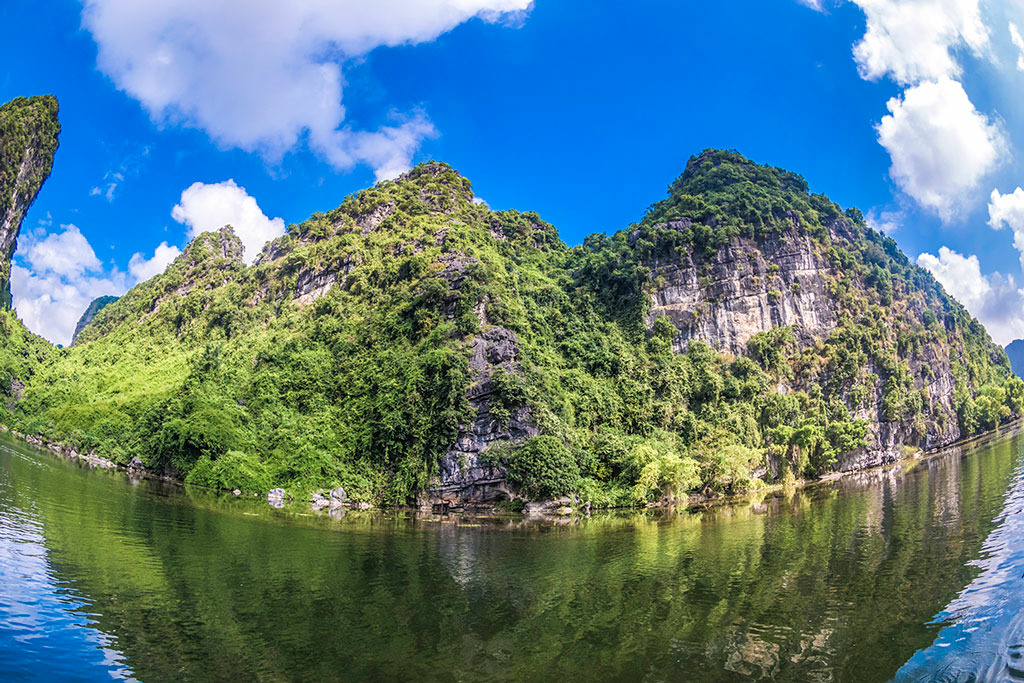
413 345
28 140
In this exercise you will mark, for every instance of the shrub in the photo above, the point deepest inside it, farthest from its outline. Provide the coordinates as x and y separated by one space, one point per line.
543 467
233 470
663 473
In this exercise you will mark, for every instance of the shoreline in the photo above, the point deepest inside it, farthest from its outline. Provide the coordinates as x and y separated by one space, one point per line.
553 508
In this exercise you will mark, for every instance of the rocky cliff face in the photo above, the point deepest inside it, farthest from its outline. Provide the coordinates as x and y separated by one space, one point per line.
466 475
28 141
746 287
752 285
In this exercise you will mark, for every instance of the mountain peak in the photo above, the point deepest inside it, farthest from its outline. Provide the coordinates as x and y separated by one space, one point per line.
732 195
436 179
220 244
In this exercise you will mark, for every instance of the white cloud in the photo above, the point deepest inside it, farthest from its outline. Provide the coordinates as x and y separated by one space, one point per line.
67 253
995 300
1008 209
261 74
63 277
941 146
388 150
56 275
206 207
816 5
141 268
886 222
914 40
1018 42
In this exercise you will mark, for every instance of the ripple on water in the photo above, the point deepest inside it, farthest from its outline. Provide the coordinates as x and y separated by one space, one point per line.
982 636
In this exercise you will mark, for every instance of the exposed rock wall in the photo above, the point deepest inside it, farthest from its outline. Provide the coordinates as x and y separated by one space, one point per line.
751 286
885 439
744 288
467 475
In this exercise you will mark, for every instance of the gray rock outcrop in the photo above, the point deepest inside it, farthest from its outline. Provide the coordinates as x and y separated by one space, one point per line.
753 285
467 475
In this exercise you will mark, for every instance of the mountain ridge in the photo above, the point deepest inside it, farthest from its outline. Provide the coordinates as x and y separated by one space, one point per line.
1015 352
414 346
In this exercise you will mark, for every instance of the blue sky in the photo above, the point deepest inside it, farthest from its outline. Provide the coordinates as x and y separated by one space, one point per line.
179 115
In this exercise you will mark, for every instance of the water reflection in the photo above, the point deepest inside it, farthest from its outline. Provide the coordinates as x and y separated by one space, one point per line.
838 582
45 631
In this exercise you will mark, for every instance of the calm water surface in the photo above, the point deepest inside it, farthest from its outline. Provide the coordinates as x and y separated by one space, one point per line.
913 573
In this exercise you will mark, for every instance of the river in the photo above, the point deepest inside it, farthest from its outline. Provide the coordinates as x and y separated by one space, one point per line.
911 573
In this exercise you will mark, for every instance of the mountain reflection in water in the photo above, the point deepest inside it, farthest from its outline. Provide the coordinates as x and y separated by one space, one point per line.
101 577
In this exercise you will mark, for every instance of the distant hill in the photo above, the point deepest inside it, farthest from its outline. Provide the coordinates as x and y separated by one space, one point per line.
95 307
1015 351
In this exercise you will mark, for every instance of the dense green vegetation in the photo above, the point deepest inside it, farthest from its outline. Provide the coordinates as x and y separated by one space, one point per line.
342 357
94 307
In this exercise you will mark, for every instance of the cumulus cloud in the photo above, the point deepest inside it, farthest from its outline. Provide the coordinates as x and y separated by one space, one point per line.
940 145
141 268
63 275
206 207
914 40
1008 209
995 300
261 74
1018 42
67 253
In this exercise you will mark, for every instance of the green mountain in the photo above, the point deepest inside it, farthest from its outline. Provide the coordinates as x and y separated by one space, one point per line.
90 312
28 140
413 345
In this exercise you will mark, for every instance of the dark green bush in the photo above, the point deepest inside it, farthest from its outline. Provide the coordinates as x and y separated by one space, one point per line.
543 467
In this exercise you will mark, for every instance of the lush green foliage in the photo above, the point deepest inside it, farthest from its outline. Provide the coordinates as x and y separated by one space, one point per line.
543 467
